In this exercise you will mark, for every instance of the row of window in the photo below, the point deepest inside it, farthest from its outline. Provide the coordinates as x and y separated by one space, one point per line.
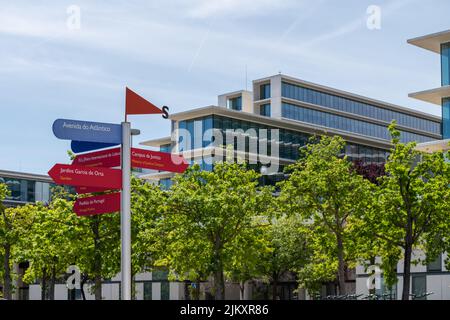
290 141
343 104
329 120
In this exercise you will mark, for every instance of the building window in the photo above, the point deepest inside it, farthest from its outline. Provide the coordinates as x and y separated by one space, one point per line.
165 148
326 119
235 103
148 290
265 110
419 286
165 184
435 265
446 118
445 64
264 91
74 294
344 104
165 290
386 292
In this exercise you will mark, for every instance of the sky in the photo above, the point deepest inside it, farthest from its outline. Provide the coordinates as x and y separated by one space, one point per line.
184 53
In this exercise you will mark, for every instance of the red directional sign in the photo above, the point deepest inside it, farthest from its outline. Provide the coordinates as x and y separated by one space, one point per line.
80 176
106 203
84 190
155 160
106 158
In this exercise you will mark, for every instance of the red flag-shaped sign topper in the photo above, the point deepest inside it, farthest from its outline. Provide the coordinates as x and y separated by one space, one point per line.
135 104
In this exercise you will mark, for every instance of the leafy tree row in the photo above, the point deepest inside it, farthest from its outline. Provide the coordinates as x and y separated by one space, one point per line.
328 216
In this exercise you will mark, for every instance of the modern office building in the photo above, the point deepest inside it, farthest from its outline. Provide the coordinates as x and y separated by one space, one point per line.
297 109
438 43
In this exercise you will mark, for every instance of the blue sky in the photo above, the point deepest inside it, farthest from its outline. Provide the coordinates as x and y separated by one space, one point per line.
185 53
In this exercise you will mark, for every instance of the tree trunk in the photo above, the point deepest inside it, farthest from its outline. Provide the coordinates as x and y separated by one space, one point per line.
44 285
407 257
98 287
407 272
7 292
83 281
98 259
51 289
196 291
219 282
372 263
242 290
341 265
274 286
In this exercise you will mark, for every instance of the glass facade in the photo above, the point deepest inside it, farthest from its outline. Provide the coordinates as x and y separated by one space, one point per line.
165 148
264 92
329 120
445 64
290 141
23 190
446 118
265 110
347 105
235 103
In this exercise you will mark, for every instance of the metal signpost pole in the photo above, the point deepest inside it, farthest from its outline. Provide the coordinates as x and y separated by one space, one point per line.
125 212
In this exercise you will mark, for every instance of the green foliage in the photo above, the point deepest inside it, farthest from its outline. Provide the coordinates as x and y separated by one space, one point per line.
411 208
322 189
147 202
212 219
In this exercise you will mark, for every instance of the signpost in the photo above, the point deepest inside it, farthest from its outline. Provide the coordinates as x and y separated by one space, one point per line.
84 146
86 176
91 173
101 204
87 131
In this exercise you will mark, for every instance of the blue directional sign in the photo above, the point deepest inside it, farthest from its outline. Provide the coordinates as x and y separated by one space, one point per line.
87 131
83 146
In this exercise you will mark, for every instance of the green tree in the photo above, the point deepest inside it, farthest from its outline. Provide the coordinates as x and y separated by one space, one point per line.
14 226
206 215
48 245
411 209
95 245
147 201
287 250
325 190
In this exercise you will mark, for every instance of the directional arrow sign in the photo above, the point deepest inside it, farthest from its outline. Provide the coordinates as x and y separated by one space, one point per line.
83 146
80 176
87 131
158 160
106 158
106 203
